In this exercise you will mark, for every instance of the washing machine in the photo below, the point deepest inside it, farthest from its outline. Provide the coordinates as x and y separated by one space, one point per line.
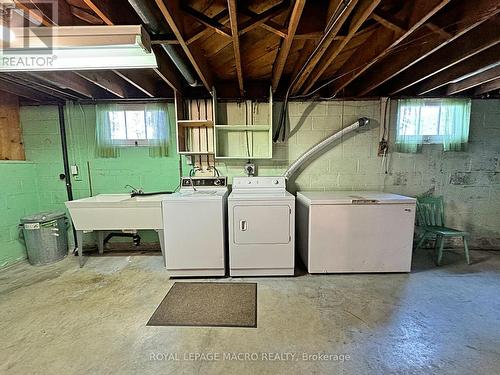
194 221
261 224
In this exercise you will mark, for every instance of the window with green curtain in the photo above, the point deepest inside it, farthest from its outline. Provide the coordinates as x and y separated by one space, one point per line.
122 125
432 121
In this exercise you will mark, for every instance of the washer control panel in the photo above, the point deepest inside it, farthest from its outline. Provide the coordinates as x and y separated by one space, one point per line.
266 182
204 181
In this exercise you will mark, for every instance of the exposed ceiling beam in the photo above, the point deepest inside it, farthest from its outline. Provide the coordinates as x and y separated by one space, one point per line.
470 15
166 69
69 81
108 81
329 37
476 80
264 19
212 23
27 92
362 13
143 82
233 17
114 12
27 80
170 12
478 39
477 62
221 17
438 30
487 87
389 21
382 42
286 44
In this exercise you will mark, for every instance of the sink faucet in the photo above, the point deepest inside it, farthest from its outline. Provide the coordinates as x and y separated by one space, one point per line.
134 190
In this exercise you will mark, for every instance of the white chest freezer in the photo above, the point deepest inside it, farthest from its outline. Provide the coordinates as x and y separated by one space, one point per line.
355 231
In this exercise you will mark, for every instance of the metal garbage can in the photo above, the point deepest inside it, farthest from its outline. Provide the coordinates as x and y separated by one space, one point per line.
46 237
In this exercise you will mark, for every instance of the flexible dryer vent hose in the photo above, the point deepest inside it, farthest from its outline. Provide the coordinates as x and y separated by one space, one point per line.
363 121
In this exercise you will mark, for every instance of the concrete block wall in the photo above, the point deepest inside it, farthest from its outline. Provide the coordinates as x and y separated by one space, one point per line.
469 181
18 198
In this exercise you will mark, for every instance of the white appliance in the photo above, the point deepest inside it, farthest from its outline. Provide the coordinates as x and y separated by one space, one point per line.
194 225
261 222
355 231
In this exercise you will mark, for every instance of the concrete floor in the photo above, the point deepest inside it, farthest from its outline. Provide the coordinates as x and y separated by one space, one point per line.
62 319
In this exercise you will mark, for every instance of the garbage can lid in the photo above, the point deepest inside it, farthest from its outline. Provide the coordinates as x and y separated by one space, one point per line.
42 217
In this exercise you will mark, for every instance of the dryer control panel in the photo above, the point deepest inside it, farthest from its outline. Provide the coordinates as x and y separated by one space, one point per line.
253 183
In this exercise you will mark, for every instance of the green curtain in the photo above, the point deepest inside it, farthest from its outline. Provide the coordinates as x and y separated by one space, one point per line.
158 128
408 139
106 146
455 119
453 124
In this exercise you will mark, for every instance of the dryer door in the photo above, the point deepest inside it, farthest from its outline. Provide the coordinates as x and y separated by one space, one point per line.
261 224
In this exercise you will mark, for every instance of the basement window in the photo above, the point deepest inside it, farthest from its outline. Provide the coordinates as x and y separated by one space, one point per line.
432 121
133 126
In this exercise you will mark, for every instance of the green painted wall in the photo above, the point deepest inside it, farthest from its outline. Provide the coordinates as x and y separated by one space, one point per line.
18 197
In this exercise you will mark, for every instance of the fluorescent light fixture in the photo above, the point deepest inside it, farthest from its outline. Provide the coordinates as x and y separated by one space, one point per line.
77 48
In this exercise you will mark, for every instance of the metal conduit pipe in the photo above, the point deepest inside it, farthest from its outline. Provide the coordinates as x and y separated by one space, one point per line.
153 23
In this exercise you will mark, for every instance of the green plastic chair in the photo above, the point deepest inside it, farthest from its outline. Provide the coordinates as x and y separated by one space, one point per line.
430 219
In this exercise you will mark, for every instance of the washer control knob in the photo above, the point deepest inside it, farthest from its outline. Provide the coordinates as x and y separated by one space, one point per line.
217 182
249 182
276 182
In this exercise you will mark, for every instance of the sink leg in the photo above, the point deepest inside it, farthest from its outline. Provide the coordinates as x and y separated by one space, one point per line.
100 241
79 239
162 245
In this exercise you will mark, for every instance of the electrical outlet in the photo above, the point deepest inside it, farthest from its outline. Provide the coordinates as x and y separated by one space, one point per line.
250 169
383 148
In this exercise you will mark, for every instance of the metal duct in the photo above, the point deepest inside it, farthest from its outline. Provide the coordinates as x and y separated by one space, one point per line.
153 23
363 121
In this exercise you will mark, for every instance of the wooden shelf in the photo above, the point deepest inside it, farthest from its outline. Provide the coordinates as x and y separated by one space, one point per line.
195 123
253 128
195 153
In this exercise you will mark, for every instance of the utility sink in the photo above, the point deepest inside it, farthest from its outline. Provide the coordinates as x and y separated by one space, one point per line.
117 212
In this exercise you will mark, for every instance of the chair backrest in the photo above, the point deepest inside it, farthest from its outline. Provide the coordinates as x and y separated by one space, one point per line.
430 211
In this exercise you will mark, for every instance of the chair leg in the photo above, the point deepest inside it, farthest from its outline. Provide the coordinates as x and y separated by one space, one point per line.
466 250
440 249
421 241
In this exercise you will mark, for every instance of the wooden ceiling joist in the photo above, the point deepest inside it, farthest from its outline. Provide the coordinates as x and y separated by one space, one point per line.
207 21
363 11
476 80
480 38
27 92
108 81
382 42
222 17
264 19
233 17
114 12
477 62
170 11
139 80
389 21
69 81
286 43
328 38
423 45
488 87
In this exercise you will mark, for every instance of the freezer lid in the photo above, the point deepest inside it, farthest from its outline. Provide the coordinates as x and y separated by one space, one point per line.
352 197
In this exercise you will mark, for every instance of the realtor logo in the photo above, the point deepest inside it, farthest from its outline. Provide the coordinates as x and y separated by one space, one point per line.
24 28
